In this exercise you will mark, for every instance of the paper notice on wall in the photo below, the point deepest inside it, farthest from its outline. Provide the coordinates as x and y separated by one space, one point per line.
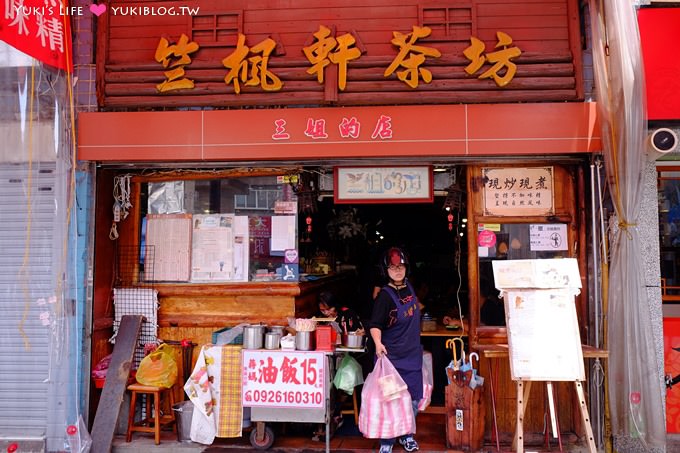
283 233
169 236
241 248
212 252
548 236
539 273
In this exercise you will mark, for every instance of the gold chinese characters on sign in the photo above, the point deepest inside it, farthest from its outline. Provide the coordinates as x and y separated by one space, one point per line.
238 61
518 191
175 57
411 57
248 66
327 50
500 59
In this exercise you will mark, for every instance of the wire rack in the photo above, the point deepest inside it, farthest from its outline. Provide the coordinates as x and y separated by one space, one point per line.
134 293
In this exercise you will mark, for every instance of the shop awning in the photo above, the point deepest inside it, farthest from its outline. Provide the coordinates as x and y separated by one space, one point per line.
480 130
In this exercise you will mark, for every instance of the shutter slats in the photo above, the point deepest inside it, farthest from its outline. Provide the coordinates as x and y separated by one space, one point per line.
23 373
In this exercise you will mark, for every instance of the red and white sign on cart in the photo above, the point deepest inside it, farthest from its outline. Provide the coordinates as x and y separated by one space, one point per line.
275 378
41 29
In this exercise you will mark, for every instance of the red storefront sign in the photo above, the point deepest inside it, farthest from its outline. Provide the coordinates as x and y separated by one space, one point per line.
40 29
659 37
435 130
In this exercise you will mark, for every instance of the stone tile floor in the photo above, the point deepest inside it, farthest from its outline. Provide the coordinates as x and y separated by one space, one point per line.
298 439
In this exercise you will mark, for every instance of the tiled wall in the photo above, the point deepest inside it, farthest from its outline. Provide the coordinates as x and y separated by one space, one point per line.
84 69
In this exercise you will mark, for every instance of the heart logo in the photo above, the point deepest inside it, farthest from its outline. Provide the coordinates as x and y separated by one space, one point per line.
291 256
97 10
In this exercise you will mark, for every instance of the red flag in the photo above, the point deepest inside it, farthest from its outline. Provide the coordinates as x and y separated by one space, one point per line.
39 28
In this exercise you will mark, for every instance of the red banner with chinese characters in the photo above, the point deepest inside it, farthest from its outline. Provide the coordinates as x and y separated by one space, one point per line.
41 29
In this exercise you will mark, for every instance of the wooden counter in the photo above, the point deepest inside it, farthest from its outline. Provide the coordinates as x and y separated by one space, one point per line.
196 310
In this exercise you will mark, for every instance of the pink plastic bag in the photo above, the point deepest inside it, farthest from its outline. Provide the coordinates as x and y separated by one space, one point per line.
99 371
386 411
428 381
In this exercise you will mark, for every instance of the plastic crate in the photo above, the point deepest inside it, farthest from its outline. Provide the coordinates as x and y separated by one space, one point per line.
218 336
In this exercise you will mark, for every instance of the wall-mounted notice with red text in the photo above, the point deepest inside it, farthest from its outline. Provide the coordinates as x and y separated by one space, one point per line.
275 378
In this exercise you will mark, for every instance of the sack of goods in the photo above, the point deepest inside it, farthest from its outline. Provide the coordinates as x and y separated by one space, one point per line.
386 410
158 369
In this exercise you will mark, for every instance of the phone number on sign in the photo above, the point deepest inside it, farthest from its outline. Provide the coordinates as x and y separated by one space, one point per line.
280 397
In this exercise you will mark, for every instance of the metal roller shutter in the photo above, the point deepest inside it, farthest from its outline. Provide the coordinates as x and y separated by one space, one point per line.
26 284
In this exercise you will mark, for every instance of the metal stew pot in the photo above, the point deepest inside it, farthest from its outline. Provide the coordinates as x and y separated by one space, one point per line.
272 340
253 336
276 329
353 340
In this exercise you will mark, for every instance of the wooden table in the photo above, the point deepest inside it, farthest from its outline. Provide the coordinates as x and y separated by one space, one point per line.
492 351
500 351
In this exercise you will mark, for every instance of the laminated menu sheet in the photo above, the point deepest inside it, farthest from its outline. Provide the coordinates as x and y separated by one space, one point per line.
212 254
170 237
219 248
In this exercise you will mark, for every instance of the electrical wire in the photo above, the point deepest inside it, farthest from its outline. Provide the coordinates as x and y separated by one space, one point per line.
460 283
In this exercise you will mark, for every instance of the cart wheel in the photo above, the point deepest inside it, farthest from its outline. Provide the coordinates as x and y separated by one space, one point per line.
267 440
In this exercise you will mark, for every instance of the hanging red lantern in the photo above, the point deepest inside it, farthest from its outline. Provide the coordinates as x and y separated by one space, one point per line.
450 218
308 220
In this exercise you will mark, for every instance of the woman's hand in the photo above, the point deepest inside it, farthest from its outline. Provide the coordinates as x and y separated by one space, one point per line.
380 349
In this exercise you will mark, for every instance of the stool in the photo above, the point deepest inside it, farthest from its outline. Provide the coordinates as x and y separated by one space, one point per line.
150 424
354 410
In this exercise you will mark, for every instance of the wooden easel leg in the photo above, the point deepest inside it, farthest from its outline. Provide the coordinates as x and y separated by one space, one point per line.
551 408
493 363
523 389
552 413
586 418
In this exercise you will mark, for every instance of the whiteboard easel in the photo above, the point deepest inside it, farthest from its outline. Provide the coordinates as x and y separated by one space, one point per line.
543 336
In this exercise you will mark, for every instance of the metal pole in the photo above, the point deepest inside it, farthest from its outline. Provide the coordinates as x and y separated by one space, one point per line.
595 408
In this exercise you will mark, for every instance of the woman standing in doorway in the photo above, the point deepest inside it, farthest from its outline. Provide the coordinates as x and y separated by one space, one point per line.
395 330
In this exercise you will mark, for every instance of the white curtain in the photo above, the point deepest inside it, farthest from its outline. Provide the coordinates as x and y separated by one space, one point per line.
635 387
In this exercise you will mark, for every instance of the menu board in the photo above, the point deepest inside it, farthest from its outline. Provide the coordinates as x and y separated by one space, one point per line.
543 335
